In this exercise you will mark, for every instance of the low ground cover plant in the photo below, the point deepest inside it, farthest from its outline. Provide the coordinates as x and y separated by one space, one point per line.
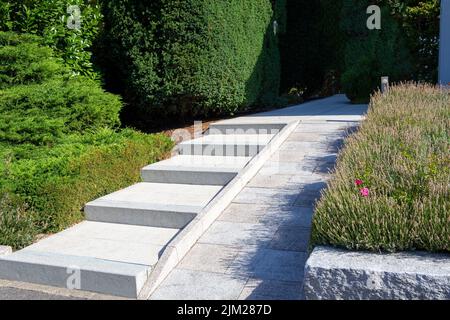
45 188
390 191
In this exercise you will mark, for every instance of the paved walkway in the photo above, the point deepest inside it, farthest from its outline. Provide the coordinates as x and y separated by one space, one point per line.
257 248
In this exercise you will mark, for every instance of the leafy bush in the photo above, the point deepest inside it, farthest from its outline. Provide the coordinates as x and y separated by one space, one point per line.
390 190
49 19
327 38
5 19
371 54
191 57
405 48
420 22
55 182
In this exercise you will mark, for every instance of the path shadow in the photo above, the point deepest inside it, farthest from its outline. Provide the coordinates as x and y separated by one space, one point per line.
275 261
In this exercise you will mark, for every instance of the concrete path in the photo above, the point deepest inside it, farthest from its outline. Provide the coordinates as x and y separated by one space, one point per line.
257 248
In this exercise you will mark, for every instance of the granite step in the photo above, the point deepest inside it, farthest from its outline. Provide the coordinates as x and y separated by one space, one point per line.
101 257
152 204
230 145
245 127
195 170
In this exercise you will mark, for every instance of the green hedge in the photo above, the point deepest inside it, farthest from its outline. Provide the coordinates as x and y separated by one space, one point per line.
55 182
328 48
400 155
371 54
192 57
406 47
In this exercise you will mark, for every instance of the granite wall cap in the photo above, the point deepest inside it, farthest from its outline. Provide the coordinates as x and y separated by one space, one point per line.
337 274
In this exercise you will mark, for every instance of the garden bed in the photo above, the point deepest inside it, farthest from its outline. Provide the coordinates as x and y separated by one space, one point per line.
390 189
382 228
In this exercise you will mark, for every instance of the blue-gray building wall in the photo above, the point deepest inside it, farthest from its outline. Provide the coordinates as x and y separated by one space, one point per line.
444 46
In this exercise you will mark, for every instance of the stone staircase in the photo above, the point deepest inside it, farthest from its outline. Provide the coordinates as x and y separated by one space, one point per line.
125 233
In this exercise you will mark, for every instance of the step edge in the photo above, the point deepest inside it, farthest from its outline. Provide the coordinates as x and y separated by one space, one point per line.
16 270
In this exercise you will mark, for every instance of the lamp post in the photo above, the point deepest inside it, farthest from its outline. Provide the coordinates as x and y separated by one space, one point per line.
444 44
384 84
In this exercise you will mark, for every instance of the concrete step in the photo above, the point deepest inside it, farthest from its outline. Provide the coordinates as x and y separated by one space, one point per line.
92 256
152 204
231 145
192 169
245 128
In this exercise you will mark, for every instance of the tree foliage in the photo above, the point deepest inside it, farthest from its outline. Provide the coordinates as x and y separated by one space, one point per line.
371 54
49 20
336 39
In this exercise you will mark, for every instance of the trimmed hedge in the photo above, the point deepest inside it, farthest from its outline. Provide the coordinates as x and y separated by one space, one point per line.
327 46
371 54
192 57
400 155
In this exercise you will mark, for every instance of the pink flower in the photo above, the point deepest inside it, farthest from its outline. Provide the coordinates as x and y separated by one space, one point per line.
364 192
358 182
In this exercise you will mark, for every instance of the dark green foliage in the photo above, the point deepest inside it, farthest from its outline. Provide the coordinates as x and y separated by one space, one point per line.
5 19
49 19
371 54
41 113
128 55
192 57
313 48
420 20
405 48
303 57
333 38
327 40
